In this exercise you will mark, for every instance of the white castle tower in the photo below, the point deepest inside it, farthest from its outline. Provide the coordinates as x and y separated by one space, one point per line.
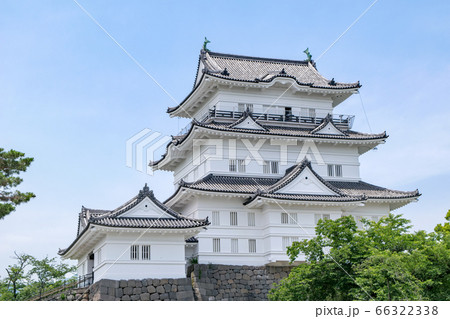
266 157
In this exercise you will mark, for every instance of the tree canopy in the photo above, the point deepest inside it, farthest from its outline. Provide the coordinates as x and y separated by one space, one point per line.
12 163
381 261
31 276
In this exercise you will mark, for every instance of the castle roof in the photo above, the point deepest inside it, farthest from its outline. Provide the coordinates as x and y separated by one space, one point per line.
272 188
167 217
256 70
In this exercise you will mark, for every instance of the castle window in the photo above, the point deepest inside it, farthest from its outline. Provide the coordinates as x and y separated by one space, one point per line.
290 218
334 170
251 219
216 218
216 245
233 219
237 165
134 252
145 252
234 245
270 167
252 245
287 241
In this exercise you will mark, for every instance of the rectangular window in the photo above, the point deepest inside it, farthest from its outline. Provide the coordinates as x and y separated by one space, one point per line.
270 167
233 219
330 170
284 218
251 219
252 245
312 112
234 245
145 252
288 240
338 170
290 218
216 218
216 245
241 165
232 165
134 252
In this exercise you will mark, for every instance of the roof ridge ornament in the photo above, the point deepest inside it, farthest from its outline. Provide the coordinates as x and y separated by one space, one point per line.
205 43
145 191
332 82
226 73
308 55
283 72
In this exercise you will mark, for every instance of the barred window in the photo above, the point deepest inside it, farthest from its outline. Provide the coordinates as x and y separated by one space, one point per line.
145 249
216 218
288 240
134 252
252 245
270 167
216 245
233 219
289 218
234 245
284 218
251 219
321 216
232 165
338 170
330 170
241 165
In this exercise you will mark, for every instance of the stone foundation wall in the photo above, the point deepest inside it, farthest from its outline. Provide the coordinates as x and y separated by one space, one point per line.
144 290
223 282
206 282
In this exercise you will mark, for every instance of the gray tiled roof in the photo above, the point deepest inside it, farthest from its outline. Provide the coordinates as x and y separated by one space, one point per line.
267 187
113 218
291 131
372 191
254 69
262 70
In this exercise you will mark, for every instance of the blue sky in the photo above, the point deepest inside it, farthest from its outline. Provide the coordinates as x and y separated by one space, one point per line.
70 98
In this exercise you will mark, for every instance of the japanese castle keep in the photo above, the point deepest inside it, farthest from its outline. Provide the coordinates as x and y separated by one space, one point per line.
265 157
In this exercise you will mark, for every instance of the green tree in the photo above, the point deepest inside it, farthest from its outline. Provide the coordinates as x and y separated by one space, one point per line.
12 163
382 261
48 272
17 276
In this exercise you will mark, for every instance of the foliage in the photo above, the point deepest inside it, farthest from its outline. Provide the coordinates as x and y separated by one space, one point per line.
30 276
382 261
12 163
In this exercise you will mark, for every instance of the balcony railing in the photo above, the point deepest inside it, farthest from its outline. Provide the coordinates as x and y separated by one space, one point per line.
343 121
86 280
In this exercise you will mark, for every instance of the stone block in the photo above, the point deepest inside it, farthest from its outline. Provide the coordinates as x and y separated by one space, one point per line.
144 283
123 284
137 291
163 282
160 289
238 276
126 298
132 283
138 284
135 297
155 282
119 292
145 296
172 295
111 291
127 291
185 295
245 277
164 296
174 288
151 289
154 296
167 287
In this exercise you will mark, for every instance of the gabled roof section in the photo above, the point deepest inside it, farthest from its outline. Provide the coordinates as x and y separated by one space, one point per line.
247 122
327 127
292 176
168 218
